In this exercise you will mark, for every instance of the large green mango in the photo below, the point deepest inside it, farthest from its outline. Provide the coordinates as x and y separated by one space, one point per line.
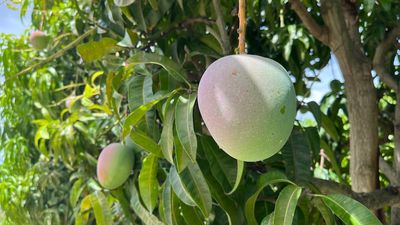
248 104
114 165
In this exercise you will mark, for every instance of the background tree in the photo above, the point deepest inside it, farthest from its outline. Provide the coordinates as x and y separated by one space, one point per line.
111 72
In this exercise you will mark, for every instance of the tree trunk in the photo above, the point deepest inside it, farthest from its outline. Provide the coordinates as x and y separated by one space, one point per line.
344 40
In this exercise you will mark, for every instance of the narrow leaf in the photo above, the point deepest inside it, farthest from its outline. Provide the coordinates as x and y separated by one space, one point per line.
94 50
139 91
285 205
349 210
297 157
179 187
167 134
145 142
146 217
148 184
184 124
264 180
101 208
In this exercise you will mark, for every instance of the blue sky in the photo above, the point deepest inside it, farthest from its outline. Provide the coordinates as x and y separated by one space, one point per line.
10 21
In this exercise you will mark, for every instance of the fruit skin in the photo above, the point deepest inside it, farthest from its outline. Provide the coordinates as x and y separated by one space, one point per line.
39 40
248 104
114 165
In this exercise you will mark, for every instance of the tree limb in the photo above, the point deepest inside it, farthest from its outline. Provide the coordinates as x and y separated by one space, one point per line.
388 196
387 170
54 56
242 27
378 62
318 31
226 46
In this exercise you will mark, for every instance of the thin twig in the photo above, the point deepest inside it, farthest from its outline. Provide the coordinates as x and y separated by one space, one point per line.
378 62
242 27
55 55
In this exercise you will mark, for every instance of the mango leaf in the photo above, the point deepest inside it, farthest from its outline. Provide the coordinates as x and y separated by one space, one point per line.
148 184
101 208
316 111
195 183
349 210
170 66
145 142
329 127
181 157
368 5
167 134
297 157
268 220
326 213
134 117
239 174
123 201
139 91
94 50
76 191
233 212
263 181
123 3
169 204
222 166
191 215
285 205
146 217
184 124
179 188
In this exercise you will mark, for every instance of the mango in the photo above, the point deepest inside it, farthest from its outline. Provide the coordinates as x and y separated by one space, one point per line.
248 104
114 165
39 40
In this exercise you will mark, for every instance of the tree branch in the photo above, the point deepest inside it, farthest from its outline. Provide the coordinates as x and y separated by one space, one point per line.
54 56
318 31
373 200
226 46
378 62
387 170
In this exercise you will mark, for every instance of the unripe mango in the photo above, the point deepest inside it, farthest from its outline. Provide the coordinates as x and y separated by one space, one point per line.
248 104
114 165
39 40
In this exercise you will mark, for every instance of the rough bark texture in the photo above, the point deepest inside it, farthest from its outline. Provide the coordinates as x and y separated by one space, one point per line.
344 40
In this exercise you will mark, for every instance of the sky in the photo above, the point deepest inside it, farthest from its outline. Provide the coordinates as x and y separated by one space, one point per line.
10 21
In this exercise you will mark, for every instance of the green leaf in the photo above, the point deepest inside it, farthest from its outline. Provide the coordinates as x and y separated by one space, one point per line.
146 217
135 116
195 183
222 166
329 127
184 124
268 220
76 191
179 188
326 213
153 4
94 50
297 157
145 142
123 201
190 215
285 205
263 181
165 203
233 212
368 5
349 210
101 208
148 184
316 111
122 3
140 91
167 134
170 66
239 174
181 158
